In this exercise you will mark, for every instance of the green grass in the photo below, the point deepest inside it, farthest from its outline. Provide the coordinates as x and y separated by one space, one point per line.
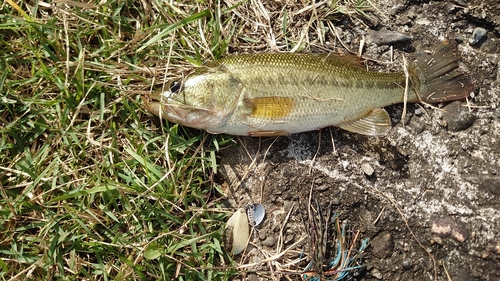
92 186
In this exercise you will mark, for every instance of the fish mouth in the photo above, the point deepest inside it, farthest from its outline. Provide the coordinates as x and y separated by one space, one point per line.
164 105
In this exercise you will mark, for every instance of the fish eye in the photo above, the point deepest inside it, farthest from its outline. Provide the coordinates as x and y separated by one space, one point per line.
175 87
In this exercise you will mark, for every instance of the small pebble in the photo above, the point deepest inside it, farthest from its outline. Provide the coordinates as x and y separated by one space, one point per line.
253 277
322 187
277 228
457 117
289 239
383 244
269 242
494 248
376 273
485 254
335 202
367 169
407 264
416 125
477 35
418 111
446 226
436 240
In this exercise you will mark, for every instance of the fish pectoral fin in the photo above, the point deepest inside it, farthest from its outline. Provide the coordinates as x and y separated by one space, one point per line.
376 122
270 107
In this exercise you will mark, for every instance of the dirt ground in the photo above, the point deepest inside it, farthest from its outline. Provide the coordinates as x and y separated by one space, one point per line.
440 168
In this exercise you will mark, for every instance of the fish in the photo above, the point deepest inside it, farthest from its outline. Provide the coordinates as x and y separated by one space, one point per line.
274 94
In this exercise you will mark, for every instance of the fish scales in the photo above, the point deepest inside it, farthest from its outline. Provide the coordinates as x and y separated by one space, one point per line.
270 94
329 96
326 90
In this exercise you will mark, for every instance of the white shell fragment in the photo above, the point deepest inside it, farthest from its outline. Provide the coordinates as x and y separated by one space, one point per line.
237 232
255 213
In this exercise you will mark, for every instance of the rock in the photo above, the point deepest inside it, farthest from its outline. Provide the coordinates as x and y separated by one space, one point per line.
457 117
494 248
383 244
484 254
335 202
446 226
418 111
436 240
386 37
289 239
277 228
416 125
322 187
269 242
376 273
407 264
478 34
367 169
253 277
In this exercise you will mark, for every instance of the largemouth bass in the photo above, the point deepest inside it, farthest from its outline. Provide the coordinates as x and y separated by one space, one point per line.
271 94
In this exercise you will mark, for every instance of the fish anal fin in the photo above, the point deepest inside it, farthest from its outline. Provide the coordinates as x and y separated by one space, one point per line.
270 107
376 122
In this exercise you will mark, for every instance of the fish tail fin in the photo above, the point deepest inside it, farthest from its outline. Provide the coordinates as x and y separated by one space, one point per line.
438 76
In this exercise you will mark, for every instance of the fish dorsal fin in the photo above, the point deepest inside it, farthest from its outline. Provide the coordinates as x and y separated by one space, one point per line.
353 60
270 107
376 122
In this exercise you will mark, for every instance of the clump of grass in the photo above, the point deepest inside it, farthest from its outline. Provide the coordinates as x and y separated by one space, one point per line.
92 186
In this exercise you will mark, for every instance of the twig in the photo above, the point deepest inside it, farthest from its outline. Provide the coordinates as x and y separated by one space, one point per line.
315 154
405 96
446 271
